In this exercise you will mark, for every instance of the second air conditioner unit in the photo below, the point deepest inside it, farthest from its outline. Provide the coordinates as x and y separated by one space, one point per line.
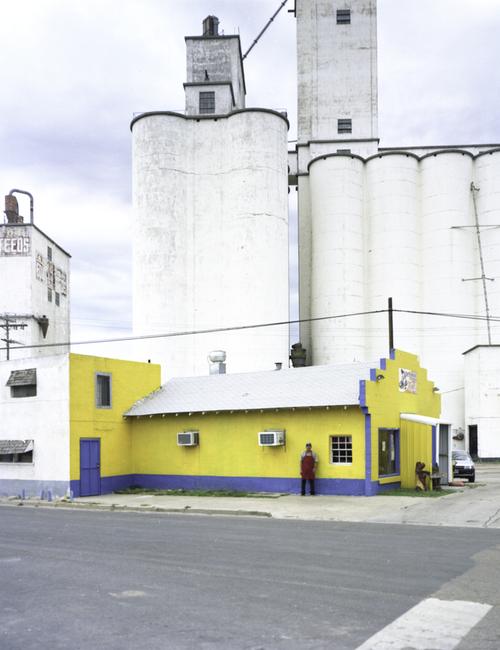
188 438
274 438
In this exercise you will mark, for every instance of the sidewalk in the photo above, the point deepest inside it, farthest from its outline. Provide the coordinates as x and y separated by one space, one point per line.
475 505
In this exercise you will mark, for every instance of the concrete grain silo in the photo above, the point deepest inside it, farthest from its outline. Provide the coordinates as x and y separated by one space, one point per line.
211 220
418 224
337 257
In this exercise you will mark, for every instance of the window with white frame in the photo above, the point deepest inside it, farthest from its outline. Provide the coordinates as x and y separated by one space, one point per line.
341 450
103 390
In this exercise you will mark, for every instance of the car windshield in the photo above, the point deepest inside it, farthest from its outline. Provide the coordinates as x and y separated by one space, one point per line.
461 455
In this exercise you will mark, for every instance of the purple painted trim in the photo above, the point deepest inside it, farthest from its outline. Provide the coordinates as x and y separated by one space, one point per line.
108 484
324 486
369 484
373 374
389 486
383 364
362 392
349 487
392 354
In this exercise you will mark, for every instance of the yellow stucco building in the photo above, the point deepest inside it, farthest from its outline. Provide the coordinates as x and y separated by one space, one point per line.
97 424
369 424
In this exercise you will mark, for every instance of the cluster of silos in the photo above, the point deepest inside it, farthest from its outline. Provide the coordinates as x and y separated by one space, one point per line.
403 226
211 238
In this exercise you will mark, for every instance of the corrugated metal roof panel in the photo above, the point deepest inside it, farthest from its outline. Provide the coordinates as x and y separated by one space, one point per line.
15 446
334 385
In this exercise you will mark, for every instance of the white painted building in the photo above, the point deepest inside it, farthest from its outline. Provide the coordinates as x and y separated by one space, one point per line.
34 290
211 220
34 403
482 399
379 223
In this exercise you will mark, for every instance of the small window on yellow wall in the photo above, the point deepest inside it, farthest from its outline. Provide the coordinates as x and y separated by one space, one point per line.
103 390
341 450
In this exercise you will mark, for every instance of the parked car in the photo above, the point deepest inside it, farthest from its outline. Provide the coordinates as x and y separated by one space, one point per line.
463 465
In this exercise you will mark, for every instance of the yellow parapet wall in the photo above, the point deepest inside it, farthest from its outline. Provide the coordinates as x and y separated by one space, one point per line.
385 400
129 382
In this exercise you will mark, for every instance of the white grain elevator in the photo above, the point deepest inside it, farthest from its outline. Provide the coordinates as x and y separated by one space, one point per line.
211 219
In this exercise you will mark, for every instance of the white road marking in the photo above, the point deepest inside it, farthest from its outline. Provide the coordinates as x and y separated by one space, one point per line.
433 624
128 594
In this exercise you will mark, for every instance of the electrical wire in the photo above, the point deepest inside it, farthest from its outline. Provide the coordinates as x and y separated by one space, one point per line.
250 327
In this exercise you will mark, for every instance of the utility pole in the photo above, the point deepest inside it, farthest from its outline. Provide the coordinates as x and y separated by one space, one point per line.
391 325
9 323
483 277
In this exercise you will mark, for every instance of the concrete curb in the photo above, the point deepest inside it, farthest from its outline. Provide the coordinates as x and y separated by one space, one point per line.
75 505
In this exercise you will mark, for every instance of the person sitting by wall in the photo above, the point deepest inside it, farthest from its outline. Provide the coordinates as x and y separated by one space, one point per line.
421 477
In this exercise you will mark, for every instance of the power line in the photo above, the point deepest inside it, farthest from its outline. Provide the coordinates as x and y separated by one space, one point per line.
254 326
195 332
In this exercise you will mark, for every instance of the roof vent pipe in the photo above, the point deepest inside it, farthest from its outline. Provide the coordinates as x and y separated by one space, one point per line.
278 365
31 202
217 362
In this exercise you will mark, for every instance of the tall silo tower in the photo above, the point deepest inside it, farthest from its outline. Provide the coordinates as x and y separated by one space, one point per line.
419 224
337 115
211 220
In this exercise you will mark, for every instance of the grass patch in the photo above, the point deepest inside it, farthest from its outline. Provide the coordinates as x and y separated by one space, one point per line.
136 489
407 492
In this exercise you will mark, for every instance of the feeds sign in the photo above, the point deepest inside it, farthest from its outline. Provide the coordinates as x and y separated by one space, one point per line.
14 241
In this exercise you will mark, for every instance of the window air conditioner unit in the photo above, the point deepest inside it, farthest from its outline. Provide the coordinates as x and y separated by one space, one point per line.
188 438
271 438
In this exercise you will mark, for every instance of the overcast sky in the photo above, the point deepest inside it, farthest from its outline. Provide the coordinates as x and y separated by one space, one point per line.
74 72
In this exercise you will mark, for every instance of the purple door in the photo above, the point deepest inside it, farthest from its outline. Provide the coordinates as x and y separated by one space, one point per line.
90 467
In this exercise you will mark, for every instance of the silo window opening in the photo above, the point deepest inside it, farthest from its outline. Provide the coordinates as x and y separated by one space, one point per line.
343 16
58 298
344 126
346 151
49 253
49 295
207 102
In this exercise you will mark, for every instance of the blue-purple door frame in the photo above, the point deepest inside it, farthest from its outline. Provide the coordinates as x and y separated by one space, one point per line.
90 466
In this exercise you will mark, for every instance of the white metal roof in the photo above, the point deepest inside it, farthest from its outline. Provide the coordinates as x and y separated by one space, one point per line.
332 385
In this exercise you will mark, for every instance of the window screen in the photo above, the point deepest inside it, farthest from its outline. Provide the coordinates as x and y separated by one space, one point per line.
343 16
207 102
344 126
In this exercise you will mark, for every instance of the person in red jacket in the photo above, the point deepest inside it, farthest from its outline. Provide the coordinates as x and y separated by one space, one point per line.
308 465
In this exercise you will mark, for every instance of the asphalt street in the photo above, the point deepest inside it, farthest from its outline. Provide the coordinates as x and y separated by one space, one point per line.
95 578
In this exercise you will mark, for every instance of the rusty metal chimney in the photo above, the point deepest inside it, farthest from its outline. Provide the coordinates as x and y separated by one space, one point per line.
12 209
211 26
